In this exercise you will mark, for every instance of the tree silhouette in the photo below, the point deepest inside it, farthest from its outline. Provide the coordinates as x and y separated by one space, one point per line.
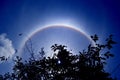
63 65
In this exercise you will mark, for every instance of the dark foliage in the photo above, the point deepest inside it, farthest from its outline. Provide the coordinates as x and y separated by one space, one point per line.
87 65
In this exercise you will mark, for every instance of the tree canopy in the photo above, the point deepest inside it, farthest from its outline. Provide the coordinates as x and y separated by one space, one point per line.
64 65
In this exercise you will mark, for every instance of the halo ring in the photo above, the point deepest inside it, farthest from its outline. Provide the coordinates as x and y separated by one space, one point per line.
52 26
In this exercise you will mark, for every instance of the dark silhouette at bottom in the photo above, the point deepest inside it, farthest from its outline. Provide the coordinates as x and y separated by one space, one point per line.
87 65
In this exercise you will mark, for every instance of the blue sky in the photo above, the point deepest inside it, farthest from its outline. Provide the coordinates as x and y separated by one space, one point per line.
100 17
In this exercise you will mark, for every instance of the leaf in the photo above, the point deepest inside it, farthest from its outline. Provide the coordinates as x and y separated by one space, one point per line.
95 37
111 55
103 58
107 54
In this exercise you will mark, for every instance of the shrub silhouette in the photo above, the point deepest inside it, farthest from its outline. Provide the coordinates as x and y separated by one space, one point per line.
63 65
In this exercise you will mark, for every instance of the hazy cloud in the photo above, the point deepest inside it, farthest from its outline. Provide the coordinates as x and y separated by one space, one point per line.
6 47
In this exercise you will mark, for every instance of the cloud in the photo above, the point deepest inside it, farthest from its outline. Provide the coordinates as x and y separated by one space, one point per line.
6 46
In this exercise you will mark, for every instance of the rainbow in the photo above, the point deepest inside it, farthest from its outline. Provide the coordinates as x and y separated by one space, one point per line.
52 26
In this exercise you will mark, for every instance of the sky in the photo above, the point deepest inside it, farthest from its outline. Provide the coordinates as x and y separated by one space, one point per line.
100 17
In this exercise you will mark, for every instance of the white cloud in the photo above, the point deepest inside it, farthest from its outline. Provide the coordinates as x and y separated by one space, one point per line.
6 47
